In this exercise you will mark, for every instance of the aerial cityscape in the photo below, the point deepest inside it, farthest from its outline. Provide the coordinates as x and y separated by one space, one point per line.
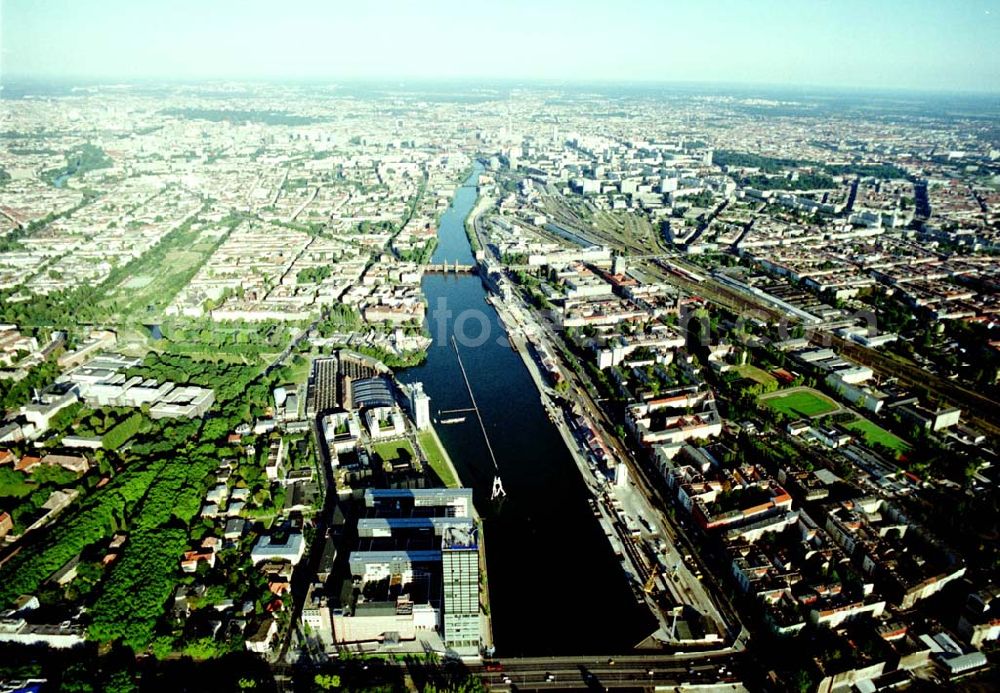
317 374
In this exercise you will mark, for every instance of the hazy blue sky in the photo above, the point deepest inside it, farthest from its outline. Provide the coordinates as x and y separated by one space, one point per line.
914 44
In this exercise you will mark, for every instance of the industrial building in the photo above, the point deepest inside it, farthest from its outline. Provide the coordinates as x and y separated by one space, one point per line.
457 502
102 382
334 380
460 568
414 575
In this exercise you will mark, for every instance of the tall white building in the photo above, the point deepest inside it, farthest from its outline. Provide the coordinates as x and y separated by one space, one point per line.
420 406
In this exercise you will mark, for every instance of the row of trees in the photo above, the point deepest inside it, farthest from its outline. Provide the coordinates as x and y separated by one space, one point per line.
236 339
339 318
804 181
419 254
699 199
129 607
91 521
135 589
769 164
219 115
122 431
154 498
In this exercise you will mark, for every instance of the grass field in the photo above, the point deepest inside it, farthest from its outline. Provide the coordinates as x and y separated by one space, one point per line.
873 434
751 372
800 402
435 457
138 282
394 450
299 369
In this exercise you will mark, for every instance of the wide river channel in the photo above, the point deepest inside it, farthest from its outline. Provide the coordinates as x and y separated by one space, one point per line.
555 585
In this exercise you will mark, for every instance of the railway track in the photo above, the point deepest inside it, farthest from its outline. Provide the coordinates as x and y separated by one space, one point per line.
979 409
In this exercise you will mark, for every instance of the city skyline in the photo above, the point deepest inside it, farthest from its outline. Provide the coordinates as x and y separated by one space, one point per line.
891 46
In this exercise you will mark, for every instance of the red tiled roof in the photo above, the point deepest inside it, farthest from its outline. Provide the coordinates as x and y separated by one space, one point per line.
27 462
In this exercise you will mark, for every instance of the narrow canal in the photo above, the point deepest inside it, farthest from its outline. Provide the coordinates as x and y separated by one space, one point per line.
555 584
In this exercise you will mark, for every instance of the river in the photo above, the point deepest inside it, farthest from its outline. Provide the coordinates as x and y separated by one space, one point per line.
555 585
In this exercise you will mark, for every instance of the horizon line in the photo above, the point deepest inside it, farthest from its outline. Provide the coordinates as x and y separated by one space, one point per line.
111 80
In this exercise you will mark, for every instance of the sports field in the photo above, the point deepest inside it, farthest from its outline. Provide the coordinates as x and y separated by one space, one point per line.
873 434
800 402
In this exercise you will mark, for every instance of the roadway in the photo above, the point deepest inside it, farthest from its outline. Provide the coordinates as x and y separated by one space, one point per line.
630 671
708 671
305 572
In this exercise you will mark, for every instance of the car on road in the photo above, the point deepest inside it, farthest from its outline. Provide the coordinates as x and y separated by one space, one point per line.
550 677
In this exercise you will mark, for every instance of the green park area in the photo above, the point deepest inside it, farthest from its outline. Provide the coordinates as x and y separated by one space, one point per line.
800 402
751 372
876 435
298 369
143 288
150 490
436 459
83 159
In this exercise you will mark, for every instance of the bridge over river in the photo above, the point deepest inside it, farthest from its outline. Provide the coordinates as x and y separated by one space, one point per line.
451 268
